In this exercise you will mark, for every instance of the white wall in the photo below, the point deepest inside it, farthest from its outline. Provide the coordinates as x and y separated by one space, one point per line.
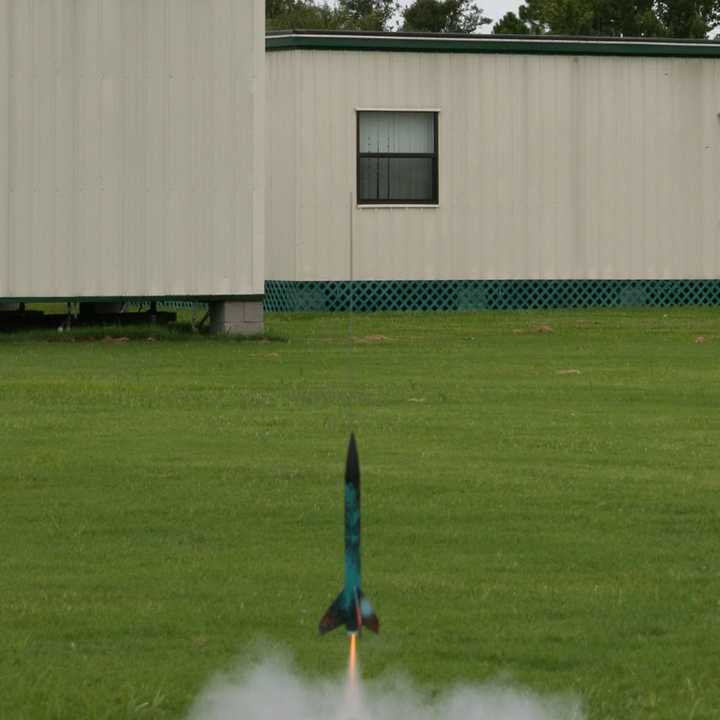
550 166
131 148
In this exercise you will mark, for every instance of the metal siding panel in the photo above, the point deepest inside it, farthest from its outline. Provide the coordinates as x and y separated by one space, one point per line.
88 164
635 164
502 167
519 121
594 171
225 196
587 169
307 194
475 139
296 79
712 251
21 152
550 167
612 254
109 270
281 148
549 158
664 238
179 147
605 248
680 222
230 200
650 154
257 179
201 162
564 211
322 166
222 233
121 184
237 179
64 150
485 232
45 142
447 254
689 160
707 256
538 176
135 143
667 179
338 164
156 121
5 148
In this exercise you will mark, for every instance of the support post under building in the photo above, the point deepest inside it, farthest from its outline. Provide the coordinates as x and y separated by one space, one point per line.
237 317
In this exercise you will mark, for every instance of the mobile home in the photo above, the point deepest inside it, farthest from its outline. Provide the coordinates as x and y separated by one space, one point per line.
483 171
132 153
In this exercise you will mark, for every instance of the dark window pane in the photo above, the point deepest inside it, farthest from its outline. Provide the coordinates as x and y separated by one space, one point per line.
410 179
373 183
391 178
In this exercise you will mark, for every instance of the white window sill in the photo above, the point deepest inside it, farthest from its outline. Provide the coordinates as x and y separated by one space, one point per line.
395 207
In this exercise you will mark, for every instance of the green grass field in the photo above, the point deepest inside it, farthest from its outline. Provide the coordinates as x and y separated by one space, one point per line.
539 506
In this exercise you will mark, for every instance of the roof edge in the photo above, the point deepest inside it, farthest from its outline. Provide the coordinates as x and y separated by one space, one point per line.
515 44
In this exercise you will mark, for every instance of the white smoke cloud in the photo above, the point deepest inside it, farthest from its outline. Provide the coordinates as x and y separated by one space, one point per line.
272 690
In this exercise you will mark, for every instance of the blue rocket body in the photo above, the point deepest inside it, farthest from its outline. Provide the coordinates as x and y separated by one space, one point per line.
351 608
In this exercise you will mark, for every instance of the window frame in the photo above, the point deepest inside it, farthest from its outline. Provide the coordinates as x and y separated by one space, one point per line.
431 201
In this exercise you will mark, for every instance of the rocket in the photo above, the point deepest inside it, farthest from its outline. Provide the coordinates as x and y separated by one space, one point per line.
351 608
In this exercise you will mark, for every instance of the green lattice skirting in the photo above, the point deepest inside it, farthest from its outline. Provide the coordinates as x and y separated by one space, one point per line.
371 296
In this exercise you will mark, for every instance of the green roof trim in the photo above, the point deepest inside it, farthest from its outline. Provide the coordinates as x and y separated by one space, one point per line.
528 45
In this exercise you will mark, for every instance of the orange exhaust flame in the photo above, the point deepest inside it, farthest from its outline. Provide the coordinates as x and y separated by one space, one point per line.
352 665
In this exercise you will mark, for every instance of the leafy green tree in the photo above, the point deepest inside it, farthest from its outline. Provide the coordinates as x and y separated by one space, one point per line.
321 15
619 18
688 18
532 16
511 24
457 16
366 14
301 14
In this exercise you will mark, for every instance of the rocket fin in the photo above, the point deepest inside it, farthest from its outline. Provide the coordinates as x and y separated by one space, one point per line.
369 619
334 617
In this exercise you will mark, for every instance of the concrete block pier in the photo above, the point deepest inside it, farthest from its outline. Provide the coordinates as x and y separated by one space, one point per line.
237 317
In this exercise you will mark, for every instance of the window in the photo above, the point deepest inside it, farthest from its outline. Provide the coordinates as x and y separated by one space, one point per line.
397 159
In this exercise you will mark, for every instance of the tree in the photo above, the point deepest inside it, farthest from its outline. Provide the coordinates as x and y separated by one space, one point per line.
688 18
458 16
303 14
511 24
320 15
366 14
533 16
619 18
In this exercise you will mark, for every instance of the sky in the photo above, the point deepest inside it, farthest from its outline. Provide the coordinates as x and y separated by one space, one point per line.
495 9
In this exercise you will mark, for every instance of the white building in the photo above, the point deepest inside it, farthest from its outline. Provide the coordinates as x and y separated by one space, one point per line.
491 172
435 171
132 152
